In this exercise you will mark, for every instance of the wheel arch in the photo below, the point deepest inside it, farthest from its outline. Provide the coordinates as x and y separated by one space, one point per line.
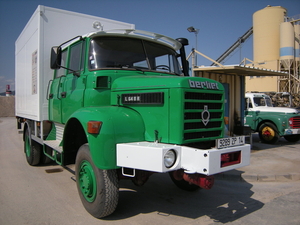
74 137
119 125
267 121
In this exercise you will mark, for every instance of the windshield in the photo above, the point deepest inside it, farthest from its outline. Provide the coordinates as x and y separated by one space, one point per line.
262 101
130 53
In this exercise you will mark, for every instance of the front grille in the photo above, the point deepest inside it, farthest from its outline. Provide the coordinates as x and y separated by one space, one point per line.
197 115
200 125
204 134
199 106
295 122
206 96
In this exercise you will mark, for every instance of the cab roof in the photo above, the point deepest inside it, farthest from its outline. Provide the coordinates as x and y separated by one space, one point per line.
145 35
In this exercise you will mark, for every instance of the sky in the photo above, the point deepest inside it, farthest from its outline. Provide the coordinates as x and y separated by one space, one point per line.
220 23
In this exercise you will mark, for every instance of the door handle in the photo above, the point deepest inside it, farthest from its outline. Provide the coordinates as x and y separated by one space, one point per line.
63 94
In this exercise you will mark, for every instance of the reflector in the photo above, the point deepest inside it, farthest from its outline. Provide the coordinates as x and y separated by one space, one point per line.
94 127
231 158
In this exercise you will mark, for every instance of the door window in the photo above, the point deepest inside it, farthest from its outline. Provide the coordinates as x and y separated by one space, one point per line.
76 57
62 71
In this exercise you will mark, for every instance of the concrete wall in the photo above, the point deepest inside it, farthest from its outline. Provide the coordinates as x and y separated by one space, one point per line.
7 106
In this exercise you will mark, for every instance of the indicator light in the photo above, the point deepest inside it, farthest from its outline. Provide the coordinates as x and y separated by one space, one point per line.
94 127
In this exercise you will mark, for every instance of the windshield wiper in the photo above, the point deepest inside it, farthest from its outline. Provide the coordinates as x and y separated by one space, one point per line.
125 67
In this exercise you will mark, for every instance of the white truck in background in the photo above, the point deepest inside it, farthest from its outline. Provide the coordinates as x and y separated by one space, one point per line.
271 122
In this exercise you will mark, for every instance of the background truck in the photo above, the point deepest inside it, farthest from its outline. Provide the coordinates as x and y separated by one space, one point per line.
117 104
271 122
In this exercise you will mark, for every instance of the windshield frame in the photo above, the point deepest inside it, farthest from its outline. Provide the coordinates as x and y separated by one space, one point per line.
128 53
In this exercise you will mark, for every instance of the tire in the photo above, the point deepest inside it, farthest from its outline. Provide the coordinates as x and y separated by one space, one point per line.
292 138
45 159
98 189
184 185
268 133
32 150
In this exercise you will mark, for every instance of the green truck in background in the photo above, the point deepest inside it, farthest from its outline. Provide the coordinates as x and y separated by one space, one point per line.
118 106
271 122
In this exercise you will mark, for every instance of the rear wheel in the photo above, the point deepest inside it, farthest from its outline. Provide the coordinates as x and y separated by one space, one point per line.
268 133
98 189
292 138
32 150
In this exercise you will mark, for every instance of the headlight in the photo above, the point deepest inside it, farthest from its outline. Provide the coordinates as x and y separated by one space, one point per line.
170 158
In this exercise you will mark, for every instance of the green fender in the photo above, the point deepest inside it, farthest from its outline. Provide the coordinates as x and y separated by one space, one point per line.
119 125
277 121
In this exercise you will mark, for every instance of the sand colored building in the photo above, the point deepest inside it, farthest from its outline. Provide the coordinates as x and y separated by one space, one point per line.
275 46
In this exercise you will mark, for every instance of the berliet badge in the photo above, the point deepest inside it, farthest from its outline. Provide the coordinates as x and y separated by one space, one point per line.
205 115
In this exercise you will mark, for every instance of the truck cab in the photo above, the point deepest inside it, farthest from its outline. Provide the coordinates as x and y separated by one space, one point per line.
90 65
271 122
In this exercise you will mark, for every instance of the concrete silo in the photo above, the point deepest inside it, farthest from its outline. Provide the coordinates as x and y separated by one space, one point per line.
266 42
287 41
266 34
276 47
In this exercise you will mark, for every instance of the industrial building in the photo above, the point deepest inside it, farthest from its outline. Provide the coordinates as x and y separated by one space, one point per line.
275 46
275 64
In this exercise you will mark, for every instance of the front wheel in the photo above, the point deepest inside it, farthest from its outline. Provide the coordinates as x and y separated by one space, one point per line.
98 189
268 133
292 138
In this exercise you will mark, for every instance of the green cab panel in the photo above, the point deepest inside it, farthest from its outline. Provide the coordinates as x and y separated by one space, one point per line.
119 125
173 108
155 82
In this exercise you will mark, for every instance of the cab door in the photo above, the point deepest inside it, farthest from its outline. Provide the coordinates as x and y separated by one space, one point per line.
68 86
56 89
250 114
73 87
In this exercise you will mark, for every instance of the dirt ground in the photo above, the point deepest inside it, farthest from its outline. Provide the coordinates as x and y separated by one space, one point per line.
7 106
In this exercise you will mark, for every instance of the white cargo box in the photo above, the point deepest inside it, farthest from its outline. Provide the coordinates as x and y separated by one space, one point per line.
46 28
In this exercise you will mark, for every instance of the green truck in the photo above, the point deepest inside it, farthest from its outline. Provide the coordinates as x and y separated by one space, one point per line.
119 105
271 122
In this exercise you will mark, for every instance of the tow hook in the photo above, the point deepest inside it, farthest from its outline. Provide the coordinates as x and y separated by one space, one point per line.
203 181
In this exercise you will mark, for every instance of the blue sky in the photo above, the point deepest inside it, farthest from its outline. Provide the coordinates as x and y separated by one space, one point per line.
221 22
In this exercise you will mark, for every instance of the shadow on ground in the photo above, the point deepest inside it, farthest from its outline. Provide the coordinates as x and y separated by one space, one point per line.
225 202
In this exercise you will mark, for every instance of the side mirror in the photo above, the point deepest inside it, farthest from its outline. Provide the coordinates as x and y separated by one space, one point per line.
184 62
55 58
183 41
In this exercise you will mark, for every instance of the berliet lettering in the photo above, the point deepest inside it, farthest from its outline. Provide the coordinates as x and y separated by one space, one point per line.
203 84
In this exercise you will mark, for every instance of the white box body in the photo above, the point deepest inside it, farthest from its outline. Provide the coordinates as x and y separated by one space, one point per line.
150 156
46 28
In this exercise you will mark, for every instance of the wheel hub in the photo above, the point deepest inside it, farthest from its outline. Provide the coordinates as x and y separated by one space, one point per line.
87 181
268 133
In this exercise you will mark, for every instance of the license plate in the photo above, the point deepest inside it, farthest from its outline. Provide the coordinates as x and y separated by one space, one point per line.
230 142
